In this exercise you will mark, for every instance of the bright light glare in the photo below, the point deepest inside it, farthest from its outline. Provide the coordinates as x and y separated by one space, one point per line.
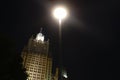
60 13
40 37
65 75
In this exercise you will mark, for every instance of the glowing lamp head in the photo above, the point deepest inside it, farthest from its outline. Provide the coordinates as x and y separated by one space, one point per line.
65 76
60 13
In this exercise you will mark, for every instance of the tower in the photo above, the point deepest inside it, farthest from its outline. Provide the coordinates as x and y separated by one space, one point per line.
36 59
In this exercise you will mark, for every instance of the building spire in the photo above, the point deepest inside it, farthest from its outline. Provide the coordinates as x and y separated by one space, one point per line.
41 30
40 36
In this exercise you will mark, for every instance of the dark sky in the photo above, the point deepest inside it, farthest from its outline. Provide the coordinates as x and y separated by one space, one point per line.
89 34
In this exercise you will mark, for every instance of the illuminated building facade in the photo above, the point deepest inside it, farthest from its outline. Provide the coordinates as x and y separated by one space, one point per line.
36 59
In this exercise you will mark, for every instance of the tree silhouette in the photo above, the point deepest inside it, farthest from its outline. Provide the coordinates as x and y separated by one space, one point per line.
11 67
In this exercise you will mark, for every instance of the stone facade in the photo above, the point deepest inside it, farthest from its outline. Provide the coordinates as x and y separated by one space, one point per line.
36 59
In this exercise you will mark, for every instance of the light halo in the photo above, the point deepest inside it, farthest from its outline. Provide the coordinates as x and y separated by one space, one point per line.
60 13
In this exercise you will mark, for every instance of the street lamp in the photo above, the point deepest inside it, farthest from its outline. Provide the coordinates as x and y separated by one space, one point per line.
65 75
60 13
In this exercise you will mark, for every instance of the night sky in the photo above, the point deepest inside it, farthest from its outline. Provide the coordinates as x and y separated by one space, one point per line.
89 34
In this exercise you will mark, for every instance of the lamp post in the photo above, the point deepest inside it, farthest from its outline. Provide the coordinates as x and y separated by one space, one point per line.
60 13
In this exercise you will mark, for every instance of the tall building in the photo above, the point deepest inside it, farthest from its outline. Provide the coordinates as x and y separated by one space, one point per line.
36 59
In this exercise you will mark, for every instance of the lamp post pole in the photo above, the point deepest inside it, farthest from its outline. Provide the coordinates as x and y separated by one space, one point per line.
60 49
60 13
